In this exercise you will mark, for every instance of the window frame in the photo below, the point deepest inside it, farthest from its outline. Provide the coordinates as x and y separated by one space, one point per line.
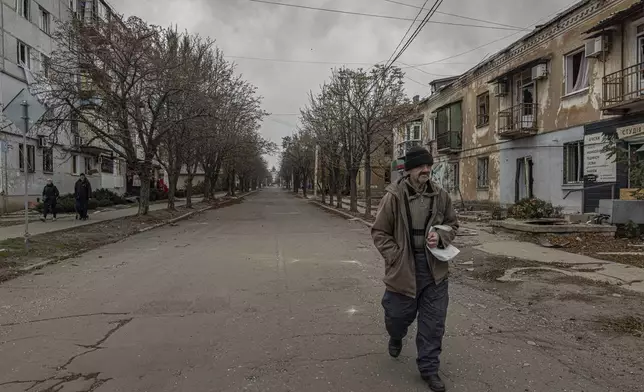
89 164
75 161
48 157
483 119
44 20
568 79
44 64
483 173
27 53
31 158
579 147
23 8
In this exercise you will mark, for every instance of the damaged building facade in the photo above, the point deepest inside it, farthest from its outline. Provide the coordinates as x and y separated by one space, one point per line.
519 124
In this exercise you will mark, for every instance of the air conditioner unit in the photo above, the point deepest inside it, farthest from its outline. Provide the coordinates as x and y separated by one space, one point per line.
42 141
500 89
596 46
539 71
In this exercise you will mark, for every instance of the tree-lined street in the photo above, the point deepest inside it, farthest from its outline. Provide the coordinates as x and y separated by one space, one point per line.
272 294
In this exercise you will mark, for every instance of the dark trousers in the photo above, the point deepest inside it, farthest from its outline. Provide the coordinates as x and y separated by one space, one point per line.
81 208
49 206
430 305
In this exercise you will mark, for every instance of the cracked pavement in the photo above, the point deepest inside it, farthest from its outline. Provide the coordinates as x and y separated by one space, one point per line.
272 294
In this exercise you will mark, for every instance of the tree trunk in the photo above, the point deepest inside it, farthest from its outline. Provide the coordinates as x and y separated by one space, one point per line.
189 191
234 183
367 180
206 187
353 200
304 187
173 179
331 185
144 197
338 189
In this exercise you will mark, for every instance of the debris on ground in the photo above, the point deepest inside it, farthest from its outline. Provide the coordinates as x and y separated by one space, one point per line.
627 325
599 246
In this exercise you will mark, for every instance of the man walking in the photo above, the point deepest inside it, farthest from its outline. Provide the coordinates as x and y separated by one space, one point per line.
416 282
50 197
82 193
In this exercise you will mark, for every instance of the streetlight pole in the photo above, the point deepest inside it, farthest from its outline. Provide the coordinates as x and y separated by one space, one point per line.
25 161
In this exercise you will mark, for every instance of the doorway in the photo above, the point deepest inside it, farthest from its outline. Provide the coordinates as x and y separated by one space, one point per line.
524 179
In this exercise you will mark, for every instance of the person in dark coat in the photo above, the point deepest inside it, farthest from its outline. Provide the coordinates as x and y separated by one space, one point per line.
50 197
82 193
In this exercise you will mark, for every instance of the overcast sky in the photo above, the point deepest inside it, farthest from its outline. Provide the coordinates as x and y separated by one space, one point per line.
243 28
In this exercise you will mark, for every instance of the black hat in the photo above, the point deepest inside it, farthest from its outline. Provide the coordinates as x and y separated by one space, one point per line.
417 156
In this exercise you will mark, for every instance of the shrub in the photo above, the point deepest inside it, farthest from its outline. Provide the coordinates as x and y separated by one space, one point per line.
105 203
180 193
198 188
92 204
106 194
534 209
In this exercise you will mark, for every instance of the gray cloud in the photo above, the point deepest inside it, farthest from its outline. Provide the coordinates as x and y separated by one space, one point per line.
248 29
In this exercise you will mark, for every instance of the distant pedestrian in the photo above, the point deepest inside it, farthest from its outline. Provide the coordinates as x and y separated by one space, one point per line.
82 194
50 197
416 282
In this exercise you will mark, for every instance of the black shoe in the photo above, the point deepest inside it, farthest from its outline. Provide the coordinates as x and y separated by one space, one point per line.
435 383
395 347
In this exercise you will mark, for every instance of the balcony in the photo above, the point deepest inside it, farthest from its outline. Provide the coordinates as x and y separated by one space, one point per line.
623 91
450 141
518 121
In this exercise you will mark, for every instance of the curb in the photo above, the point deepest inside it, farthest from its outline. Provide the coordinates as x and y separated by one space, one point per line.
343 214
55 260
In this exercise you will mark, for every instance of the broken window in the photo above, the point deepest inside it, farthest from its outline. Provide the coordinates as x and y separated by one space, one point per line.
483 109
573 162
483 165
576 70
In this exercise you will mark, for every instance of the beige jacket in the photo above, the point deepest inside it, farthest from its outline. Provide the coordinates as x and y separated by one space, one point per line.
391 236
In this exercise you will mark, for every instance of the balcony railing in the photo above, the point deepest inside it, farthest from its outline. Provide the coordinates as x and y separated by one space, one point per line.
519 120
624 89
449 141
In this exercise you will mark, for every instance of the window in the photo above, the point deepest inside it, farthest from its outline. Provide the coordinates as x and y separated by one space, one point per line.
413 131
44 20
73 5
48 160
44 64
102 11
573 162
22 7
483 109
449 127
107 165
453 175
23 54
483 167
89 164
31 158
576 71
75 164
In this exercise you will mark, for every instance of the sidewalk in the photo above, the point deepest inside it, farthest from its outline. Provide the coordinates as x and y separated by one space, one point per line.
67 221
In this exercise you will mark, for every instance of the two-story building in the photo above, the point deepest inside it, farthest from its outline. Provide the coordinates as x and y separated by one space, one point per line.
26 30
514 126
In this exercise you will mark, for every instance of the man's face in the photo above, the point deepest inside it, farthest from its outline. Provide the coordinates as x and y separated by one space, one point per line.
82 177
49 182
420 174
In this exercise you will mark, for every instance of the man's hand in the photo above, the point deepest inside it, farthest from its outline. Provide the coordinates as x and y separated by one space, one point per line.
432 240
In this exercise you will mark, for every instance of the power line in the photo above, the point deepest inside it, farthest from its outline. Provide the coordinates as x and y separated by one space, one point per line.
457 16
424 22
489 43
326 62
409 29
376 15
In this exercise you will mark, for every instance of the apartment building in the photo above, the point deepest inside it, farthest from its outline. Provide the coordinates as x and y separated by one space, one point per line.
26 29
521 123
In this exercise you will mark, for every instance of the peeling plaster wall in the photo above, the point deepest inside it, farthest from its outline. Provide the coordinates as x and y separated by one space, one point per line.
546 151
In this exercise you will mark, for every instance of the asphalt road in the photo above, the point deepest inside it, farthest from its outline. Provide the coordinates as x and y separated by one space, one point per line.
269 295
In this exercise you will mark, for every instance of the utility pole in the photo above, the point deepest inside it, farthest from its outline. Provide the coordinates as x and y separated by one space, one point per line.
25 161
315 174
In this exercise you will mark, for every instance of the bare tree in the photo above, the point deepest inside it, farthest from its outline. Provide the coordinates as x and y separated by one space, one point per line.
115 79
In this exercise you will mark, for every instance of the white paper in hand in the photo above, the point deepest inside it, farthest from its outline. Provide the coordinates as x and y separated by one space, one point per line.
449 252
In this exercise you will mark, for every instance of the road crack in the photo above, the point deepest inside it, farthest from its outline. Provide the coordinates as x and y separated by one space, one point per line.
63 318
